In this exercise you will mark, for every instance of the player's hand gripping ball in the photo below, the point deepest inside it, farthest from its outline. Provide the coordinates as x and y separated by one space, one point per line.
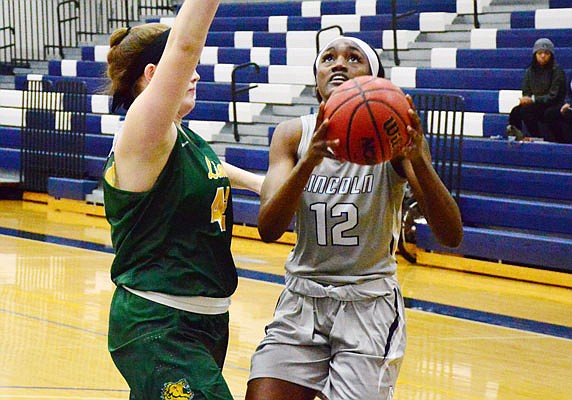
369 115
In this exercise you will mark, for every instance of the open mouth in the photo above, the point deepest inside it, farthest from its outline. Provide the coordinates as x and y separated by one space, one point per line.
338 78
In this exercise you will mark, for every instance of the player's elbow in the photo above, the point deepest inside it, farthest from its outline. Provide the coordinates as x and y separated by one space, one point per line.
452 238
268 235
266 229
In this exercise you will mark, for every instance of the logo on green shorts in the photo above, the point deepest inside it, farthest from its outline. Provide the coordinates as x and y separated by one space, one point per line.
177 391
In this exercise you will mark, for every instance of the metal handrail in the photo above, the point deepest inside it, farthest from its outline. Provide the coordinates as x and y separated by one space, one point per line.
236 91
124 21
476 14
11 44
61 21
441 115
394 18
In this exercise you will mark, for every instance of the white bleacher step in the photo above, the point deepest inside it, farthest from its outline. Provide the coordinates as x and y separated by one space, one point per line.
484 19
7 82
259 129
452 37
206 129
509 8
308 96
438 43
72 53
270 119
420 55
468 27
252 140
275 93
96 39
291 111
34 67
306 100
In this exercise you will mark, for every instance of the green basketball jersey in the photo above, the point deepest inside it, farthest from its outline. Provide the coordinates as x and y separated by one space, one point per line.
175 238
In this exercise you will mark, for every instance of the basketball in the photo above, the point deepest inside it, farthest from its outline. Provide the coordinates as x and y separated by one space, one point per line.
369 115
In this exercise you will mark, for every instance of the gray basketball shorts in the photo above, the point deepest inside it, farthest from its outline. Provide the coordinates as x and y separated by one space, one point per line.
344 348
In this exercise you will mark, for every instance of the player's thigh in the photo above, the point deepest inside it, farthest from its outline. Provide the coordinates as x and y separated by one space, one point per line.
162 366
277 389
368 350
358 376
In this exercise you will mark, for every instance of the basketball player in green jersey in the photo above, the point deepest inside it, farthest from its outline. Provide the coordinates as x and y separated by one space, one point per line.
339 326
167 198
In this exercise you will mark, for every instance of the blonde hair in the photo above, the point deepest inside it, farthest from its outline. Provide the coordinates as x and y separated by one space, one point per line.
126 44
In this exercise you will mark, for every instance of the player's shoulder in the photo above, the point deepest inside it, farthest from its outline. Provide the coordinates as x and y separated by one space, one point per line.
290 129
290 126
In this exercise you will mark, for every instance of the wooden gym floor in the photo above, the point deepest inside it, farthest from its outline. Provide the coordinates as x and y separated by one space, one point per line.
470 336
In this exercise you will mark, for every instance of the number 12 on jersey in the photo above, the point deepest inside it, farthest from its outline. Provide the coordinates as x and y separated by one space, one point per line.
339 237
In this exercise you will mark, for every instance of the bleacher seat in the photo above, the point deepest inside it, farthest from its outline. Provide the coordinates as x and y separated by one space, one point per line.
278 24
501 38
542 19
496 58
458 78
318 8
521 248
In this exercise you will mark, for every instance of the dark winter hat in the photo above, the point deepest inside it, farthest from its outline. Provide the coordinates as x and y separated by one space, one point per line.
543 44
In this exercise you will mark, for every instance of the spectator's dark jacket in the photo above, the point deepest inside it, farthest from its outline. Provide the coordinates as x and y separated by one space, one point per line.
548 85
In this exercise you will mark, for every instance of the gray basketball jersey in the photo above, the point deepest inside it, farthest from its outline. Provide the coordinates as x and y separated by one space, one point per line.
348 220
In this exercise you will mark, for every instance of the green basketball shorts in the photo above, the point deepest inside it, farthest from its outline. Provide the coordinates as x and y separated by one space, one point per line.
165 353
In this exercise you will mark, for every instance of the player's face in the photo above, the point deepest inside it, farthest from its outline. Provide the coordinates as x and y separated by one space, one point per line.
342 61
543 57
190 98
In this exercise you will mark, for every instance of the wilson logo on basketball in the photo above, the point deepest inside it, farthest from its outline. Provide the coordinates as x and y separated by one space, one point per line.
392 131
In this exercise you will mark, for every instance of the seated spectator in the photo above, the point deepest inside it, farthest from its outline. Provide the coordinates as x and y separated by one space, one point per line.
566 112
543 93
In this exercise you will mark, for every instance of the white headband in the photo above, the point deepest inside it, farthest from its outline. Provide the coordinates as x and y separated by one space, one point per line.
369 52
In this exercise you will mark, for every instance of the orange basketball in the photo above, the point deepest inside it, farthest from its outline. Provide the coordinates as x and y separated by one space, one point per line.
370 116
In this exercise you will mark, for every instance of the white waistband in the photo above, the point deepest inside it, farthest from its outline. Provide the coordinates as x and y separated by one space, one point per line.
194 304
350 292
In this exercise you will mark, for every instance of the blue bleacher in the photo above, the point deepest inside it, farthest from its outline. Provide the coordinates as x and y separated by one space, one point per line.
9 137
247 158
294 8
545 156
278 39
10 159
260 9
298 23
93 85
475 100
544 251
527 36
560 3
506 57
470 78
485 211
84 69
517 182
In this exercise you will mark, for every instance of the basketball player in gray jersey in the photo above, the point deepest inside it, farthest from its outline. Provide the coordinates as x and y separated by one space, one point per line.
339 328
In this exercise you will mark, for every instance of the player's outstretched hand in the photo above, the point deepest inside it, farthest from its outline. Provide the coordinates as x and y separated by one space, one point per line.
417 142
320 146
